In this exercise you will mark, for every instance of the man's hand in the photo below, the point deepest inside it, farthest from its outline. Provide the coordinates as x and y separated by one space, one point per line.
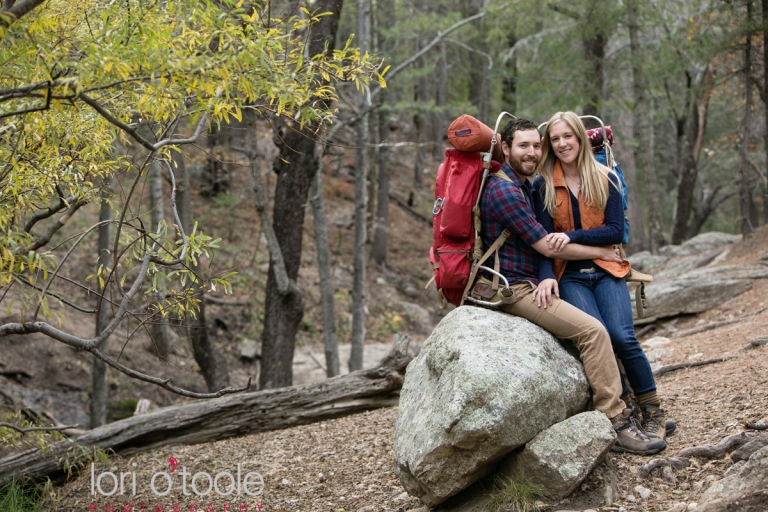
557 241
611 253
542 295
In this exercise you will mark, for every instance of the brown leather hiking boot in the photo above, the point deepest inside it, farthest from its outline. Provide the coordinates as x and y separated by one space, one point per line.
655 423
630 438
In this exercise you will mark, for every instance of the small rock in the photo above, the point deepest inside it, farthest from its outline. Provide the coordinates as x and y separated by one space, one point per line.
285 482
380 281
655 355
679 507
642 492
400 497
655 342
692 506
367 508
631 498
249 350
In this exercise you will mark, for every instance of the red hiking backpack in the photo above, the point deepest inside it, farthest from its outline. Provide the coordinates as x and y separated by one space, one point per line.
457 247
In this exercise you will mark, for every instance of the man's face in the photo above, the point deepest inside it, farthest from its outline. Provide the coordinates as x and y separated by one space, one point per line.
524 154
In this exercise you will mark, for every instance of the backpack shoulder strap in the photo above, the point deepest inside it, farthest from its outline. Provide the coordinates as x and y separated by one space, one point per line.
501 174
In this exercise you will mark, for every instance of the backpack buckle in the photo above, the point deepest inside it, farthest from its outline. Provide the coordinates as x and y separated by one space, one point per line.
437 208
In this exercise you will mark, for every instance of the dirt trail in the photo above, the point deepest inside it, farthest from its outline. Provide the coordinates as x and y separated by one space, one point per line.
346 464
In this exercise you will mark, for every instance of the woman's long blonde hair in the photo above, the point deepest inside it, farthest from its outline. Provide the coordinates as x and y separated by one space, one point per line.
592 173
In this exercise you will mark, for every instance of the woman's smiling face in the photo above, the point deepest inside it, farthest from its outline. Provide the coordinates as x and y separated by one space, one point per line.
564 142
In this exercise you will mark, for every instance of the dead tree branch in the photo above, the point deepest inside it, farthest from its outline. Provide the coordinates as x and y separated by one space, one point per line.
703 328
718 451
36 429
672 367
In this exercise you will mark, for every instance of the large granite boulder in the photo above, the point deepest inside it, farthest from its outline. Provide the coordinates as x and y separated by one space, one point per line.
743 489
699 244
698 290
558 459
484 384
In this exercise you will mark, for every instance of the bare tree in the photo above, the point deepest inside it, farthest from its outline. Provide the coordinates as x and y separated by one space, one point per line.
99 373
765 104
748 217
295 169
695 123
330 334
361 180
208 357
644 129
162 336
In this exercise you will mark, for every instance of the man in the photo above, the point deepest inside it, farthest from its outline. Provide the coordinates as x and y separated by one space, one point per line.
507 204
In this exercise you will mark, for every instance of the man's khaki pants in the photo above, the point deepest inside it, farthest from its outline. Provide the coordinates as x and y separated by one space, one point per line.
566 321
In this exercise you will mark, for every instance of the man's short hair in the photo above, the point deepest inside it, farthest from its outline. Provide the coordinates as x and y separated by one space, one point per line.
508 133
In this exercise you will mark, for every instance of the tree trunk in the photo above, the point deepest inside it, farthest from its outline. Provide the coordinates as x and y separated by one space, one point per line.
509 93
748 222
594 41
215 179
99 374
381 224
295 169
479 88
696 126
162 334
384 13
626 157
644 131
330 335
765 105
207 355
222 418
361 181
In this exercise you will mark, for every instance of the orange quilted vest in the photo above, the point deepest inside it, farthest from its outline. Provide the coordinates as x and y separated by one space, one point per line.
591 217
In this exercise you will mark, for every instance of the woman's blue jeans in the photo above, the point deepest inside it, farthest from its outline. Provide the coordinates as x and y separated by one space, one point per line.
606 298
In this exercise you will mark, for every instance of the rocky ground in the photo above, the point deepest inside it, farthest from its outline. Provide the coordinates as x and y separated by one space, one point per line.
346 464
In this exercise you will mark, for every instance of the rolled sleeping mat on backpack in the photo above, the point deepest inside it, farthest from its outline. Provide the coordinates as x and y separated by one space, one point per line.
471 135
596 137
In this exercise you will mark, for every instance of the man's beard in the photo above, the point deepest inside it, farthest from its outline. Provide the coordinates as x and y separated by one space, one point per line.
517 165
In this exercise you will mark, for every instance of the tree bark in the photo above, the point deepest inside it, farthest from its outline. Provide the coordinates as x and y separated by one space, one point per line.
99 373
478 78
695 128
162 334
223 418
748 222
207 355
330 334
361 182
384 14
215 179
295 169
765 103
381 224
644 131
594 41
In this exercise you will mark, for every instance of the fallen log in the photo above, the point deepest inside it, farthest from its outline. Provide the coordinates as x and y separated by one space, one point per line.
221 418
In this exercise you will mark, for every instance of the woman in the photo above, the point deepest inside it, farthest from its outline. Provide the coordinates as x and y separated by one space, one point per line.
578 200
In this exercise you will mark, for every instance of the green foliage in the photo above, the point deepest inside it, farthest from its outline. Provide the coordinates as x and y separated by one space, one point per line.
121 410
43 439
79 80
17 497
513 495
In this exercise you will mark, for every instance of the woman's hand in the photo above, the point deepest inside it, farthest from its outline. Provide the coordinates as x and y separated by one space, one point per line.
557 241
611 253
542 295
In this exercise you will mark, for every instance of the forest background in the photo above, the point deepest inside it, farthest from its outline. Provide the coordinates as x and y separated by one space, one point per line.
140 139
